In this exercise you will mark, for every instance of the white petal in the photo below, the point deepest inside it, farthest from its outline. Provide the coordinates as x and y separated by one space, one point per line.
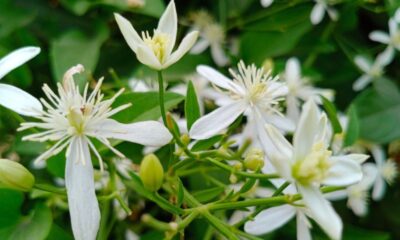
187 42
292 71
219 55
343 172
333 14
379 154
131 36
317 13
379 36
363 63
396 16
336 195
358 206
146 56
216 121
82 201
149 133
361 82
266 3
322 211
303 231
16 59
218 79
281 122
307 130
293 109
392 27
19 101
378 192
280 142
168 24
270 219
386 57
200 46
356 157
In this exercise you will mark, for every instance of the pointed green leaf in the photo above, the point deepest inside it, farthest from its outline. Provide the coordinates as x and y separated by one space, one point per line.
192 109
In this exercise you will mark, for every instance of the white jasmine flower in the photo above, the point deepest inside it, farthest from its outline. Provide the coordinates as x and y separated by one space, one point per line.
319 9
392 40
372 70
266 3
251 92
71 119
156 51
213 36
309 164
12 97
300 90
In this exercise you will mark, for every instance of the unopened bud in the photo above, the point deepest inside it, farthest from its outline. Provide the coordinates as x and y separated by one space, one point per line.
254 159
151 172
238 166
233 178
268 65
15 176
185 139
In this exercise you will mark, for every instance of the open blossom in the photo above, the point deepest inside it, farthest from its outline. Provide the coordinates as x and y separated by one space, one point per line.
372 70
318 12
392 40
71 119
10 96
156 51
251 92
308 163
300 90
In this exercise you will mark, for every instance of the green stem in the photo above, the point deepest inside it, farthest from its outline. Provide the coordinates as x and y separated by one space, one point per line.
49 188
154 223
281 188
161 97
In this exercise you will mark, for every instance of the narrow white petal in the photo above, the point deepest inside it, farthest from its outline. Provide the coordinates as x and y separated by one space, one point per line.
19 101
218 55
344 171
317 13
280 142
266 3
386 57
16 59
363 63
168 24
378 154
293 109
216 121
396 16
333 14
218 79
146 56
292 71
200 46
336 195
379 189
187 42
131 36
83 206
149 133
281 122
392 27
356 157
322 211
379 36
361 82
270 219
303 231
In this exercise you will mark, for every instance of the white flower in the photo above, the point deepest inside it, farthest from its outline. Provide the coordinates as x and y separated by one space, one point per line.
251 92
14 98
392 40
318 11
213 36
71 119
156 51
266 3
372 70
300 89
309 164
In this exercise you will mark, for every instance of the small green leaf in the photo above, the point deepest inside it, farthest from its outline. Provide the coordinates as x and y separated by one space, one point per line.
208 194
180 193
206 143
10 204
192 109
353 127
332 115
248 185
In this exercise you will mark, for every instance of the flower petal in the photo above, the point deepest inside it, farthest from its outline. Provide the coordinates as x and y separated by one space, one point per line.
149 133
379 36
218 55
322 211
131 36
303 231
83 206
292 71
200 46
361 82
266 3
216 121
280 142
146 56
363 63
270 219
19 101
379 189
168 24
187 42
379 154
386 57
317 13
218 79
17 58
343 172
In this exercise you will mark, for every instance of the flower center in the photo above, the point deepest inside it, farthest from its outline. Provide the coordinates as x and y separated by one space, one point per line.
77 119
389 171
257 92
314 167
158 44
214 33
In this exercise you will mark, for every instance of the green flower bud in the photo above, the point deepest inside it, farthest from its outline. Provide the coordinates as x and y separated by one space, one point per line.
254 159
15 176
185 139
151 172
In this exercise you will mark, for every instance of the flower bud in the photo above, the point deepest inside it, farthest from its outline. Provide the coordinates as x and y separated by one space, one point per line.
151 172
15 176
254 159
185 139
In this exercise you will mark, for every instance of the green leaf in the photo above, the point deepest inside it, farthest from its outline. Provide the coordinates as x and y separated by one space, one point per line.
74 47
206 143
10 205
13 17
376 105
353 127
180 194
144 106
192 109
58 233
208 194
332 115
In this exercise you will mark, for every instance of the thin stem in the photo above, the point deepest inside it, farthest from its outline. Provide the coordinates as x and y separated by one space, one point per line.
161 97
49 188
281 188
